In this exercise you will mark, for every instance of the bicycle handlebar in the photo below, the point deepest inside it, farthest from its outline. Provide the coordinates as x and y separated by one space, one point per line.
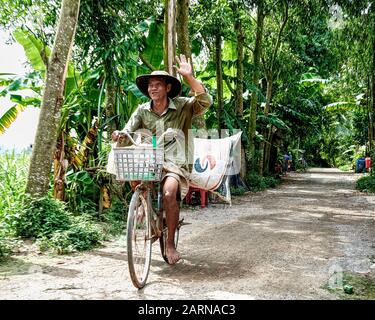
127 134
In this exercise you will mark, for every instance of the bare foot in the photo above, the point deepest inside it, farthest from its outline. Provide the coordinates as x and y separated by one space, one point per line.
172 254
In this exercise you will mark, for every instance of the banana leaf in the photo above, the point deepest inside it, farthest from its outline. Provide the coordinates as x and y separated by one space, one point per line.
35 50
153 51
9 117
343 106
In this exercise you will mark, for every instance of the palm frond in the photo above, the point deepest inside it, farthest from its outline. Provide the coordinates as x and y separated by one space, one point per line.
343 106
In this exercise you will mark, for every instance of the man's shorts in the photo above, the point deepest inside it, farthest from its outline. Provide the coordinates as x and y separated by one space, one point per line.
181 175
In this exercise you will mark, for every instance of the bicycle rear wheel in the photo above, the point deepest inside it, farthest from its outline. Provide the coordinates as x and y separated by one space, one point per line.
164 237
139 239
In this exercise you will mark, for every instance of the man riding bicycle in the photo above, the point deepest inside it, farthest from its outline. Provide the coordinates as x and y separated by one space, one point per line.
172 112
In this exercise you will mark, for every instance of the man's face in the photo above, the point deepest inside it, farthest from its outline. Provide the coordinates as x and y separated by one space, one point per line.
158 88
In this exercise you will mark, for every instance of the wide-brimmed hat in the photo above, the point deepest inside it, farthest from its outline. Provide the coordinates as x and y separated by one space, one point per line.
142 82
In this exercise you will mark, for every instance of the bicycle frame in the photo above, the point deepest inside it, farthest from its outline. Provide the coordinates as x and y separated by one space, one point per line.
156 216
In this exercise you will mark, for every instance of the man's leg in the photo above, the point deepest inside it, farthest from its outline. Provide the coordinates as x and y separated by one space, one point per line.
172 209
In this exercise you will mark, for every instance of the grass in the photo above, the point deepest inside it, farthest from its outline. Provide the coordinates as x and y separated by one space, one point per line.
366 184
13 173
48 222
363 287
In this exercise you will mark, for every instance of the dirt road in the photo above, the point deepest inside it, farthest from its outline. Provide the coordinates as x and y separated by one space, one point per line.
284 243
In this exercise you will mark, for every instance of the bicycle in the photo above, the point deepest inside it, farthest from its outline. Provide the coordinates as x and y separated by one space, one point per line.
146 222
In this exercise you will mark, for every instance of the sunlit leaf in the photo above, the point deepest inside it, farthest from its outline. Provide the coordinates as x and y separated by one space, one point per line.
9 117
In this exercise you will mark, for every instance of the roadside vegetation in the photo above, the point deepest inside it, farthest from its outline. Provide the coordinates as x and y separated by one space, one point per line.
366 184
293 76
53 224
355 286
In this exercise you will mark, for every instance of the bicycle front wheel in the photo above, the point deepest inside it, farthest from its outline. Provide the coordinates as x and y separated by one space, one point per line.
139 239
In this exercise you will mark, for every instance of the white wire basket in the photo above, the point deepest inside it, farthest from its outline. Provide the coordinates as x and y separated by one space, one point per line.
138 163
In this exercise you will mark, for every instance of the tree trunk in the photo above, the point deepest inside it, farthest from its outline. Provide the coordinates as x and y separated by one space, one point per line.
219 79
60 166
169 36
372 100
183 44
110 106
182 27
238 94
264 145
240 59
46 136
267 150
254 95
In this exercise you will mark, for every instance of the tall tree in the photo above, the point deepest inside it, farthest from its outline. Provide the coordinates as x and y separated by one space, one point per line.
255 83
269 67
183 44
182 27
169 36
45 140
240 58
219 78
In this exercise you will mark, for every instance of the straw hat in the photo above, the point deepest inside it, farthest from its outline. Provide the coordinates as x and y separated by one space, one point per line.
142 82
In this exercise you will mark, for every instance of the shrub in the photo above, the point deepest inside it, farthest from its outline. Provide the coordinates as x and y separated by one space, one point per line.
7 244
366 184
82 235
271 181
81 192
115 217
240 191
42 217
47 220
55 228
13 175
254 182
346 167
258 183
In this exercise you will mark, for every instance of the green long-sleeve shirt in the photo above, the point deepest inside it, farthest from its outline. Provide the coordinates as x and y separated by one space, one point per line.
178 115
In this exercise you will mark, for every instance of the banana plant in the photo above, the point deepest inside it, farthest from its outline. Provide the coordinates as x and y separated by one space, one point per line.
81 119
26 91
22 91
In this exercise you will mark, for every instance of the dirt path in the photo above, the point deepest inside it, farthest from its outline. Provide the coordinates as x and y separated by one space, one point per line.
284 243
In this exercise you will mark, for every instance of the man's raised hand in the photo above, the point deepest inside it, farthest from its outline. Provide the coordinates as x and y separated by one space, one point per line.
184 67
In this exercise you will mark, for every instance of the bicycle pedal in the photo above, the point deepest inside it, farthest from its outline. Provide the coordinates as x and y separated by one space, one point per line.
183 223
152 238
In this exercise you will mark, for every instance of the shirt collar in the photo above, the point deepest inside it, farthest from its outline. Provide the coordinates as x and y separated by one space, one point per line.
171 105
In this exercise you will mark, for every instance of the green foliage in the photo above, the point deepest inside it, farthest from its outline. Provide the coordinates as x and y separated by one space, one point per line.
48 221
320 100
346 167
81 192
115 217
153 51
355 286
240 191
366 184
83 234
22 91
42 217
257 183
13 174
7 245
36 51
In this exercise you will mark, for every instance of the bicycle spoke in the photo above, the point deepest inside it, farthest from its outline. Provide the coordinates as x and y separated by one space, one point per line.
139 244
